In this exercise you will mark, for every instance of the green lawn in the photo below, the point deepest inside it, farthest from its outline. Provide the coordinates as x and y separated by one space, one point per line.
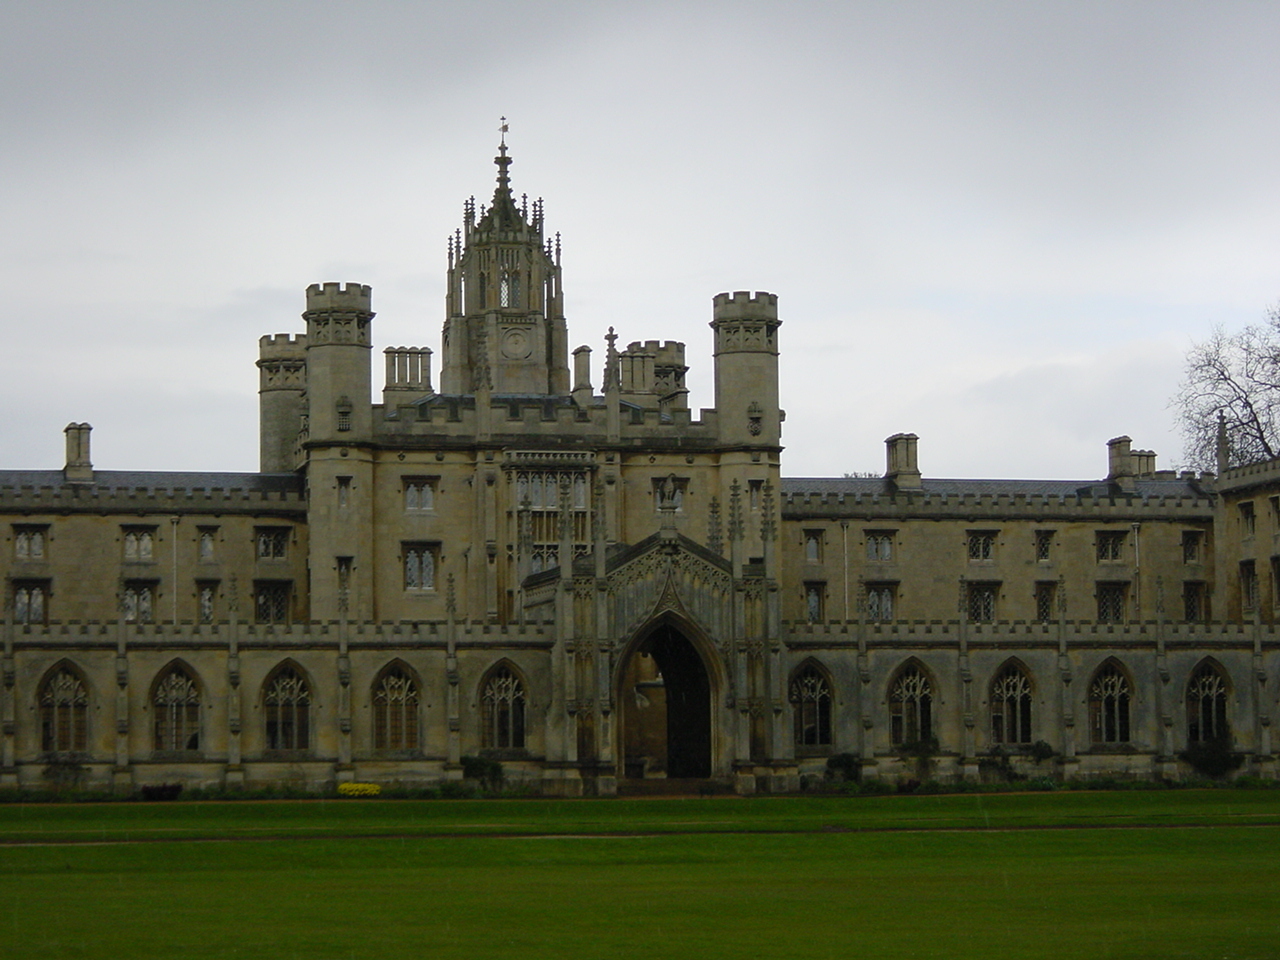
1193 874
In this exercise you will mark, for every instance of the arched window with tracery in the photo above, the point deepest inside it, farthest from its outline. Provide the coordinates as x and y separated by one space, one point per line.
64 712
810 697
286 698
1011 706
503 706
176 702
1109 697
395 710
910 707
1207 706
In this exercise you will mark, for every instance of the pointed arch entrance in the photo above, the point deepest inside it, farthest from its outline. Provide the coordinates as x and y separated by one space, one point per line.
665 695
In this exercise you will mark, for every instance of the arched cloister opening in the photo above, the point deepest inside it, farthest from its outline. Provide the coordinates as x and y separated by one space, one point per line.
665 700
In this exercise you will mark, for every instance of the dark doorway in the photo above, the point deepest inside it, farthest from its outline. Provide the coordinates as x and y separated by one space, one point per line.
667 709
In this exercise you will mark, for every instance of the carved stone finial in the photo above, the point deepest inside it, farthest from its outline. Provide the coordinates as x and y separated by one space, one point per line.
735 512
714 534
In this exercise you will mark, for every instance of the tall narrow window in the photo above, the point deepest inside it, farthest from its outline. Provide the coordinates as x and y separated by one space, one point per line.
139 544
1109 696
419 493
814 594
1011 707
271 600
420 566
64 713
811 707
1192 546
755 490
1248 586
1207 706
206 593
982 545
206 539
344 492
29 542
1111 602
1044 545
503 704
395 710
1248 522
138 601
813 546
30 601
1046 594
880 601
287 701
982 601
880 545
1195 609
910 707
177 712
1109 545
273 542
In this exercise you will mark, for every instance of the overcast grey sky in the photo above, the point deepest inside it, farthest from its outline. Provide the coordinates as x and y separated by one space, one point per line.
997 225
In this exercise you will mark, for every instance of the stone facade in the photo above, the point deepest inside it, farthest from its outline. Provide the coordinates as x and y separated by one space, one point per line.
595 586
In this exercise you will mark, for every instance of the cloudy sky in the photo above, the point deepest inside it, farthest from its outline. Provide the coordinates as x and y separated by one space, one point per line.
997 225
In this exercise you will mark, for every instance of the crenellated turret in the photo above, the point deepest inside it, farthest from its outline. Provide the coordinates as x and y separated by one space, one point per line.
505 327
282 387
746 358
338 317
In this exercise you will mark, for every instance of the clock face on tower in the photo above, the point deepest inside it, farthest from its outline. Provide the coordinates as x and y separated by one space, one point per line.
516 345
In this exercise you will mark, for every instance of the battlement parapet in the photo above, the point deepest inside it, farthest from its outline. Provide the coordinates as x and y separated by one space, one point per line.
1250 474
742 305
283 346
340 297
797 506
1072 632
106 498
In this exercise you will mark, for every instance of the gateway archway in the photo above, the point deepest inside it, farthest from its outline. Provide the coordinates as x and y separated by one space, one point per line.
666 708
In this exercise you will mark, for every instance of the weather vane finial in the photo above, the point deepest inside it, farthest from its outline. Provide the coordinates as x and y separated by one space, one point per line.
503 130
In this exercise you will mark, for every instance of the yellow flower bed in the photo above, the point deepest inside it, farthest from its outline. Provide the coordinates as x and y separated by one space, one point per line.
358 790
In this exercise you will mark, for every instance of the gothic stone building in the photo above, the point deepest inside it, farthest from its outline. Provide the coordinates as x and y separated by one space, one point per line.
599 585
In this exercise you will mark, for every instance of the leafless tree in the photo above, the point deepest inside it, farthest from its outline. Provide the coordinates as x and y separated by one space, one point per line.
1232 387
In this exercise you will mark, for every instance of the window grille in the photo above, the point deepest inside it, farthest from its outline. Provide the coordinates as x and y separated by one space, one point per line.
28 543
1194 609
1109 697
395 711
504 709
1110 546
177 712
811 707
880 546
1191 546
273 542
880 599
1046 593
30 601
139 544
982 602
982 546
137 601
420 566
1111 597
1011 707
539 497
1044 544
287 700
64 713
419 493
910 708
1207 706
813 546
271 601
